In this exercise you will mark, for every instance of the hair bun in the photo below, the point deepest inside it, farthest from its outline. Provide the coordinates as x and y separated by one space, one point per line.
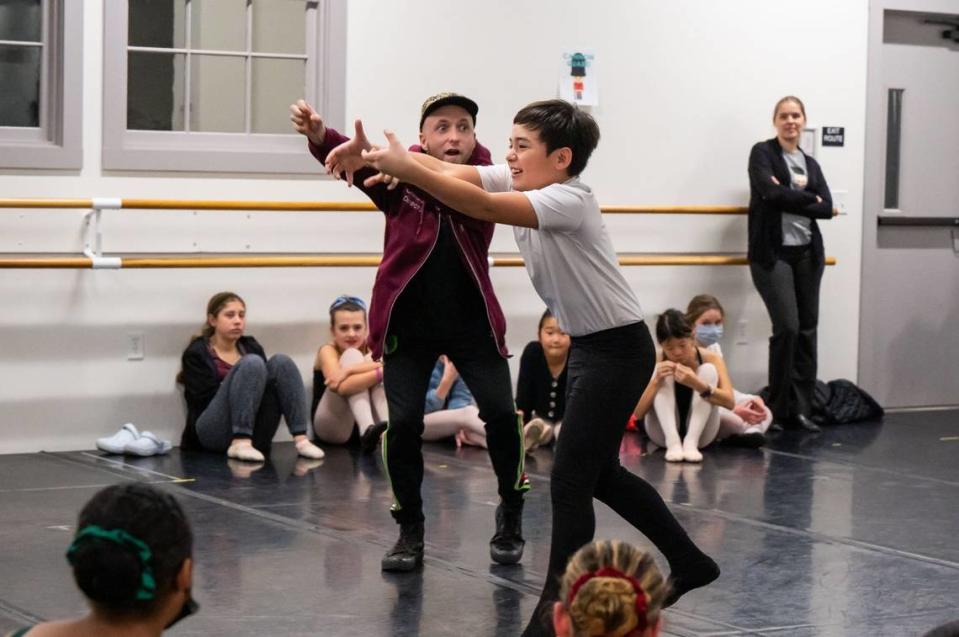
105 572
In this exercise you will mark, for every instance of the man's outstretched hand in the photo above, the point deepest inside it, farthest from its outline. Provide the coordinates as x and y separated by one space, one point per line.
344 160
307 122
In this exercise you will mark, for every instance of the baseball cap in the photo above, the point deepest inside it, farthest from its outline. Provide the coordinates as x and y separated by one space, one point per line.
443 99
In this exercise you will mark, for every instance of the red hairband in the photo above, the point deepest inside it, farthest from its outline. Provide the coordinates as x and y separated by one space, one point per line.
609 571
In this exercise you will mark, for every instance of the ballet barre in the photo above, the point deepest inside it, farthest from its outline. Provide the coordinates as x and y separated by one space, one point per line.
93 257
327 261
112 203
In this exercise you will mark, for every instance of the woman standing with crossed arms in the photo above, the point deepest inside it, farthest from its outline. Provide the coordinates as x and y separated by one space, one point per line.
788 193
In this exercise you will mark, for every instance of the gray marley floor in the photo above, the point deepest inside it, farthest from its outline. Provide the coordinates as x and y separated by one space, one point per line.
851 532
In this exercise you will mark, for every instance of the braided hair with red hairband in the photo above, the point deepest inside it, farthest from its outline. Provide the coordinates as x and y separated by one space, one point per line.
609 571
605 607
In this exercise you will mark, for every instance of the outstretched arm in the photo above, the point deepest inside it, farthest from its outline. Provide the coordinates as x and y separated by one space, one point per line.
346 159
460 171
307 122
465 196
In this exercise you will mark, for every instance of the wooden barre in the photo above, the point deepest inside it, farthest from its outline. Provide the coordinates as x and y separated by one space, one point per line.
318 206
337 261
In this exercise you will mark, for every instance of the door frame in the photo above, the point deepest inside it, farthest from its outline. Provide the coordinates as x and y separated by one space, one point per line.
875 159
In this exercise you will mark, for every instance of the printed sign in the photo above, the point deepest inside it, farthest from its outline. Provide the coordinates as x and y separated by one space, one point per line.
577 83
833 135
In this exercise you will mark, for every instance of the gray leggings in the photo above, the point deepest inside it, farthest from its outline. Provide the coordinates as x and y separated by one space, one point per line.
233 411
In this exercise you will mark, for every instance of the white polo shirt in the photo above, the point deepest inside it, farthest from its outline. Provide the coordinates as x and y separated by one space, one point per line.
570 258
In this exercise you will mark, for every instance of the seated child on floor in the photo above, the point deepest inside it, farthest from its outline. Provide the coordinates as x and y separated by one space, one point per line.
450 409
348 389
689 384
235 395
541 386
746 423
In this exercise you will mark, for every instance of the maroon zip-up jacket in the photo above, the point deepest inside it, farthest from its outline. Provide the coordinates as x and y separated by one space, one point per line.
412 229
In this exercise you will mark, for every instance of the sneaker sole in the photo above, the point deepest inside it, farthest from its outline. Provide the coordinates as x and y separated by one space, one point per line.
401 568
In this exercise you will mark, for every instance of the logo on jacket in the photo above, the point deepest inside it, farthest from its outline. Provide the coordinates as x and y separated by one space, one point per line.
414 202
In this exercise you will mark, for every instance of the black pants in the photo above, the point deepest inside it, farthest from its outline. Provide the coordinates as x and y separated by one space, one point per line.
790 290
608 371
408 365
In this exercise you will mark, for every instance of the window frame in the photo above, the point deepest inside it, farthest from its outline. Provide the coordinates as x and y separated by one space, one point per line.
223 152
57 143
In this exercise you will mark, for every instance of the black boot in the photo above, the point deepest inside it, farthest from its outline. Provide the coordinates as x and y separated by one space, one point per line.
407 553
507 544
371 437
806 424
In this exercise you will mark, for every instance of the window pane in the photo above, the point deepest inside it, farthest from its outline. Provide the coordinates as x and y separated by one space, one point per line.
217 94
20 86
276 85
155 91
279 26
20 20
159 23
218 25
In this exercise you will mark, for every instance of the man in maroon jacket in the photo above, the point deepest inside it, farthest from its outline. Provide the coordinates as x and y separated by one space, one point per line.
432 296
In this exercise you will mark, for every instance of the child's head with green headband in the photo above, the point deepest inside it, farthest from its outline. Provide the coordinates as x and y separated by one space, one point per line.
130 544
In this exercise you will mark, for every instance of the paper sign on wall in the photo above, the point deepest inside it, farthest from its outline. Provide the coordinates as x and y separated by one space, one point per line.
577 82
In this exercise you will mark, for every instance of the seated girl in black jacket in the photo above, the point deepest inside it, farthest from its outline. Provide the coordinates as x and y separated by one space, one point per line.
235 395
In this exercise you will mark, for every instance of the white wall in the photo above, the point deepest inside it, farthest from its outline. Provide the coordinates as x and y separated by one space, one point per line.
685 87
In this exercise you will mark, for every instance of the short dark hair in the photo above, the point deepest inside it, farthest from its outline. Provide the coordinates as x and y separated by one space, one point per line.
110 574
548 314
672 324
562 125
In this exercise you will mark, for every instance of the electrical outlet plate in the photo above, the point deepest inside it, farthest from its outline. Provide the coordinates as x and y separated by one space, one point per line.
134 346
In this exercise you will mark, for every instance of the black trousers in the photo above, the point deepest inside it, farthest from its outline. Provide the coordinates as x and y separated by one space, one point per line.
408 364
608 371
790 290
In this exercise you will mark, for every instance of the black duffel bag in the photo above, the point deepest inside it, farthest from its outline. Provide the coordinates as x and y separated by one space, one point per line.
841 401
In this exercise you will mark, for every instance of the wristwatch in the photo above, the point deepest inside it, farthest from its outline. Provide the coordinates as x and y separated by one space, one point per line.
706 393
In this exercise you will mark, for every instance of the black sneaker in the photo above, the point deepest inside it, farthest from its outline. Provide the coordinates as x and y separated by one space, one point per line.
407 553
507 544
752 440
371 437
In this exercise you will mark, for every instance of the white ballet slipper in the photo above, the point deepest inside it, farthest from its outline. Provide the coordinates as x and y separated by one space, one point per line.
246 452
308 450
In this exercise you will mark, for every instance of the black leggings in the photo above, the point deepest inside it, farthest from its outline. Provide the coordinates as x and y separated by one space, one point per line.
607 373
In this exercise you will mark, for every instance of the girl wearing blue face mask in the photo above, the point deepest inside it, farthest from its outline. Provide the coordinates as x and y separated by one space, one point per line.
745 424
680 406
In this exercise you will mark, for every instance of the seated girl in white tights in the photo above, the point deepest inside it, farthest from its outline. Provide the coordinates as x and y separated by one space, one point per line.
347 384
689 384
745 424
450 409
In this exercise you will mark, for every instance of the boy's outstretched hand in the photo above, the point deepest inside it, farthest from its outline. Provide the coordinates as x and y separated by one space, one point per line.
347 158
307 122
393 162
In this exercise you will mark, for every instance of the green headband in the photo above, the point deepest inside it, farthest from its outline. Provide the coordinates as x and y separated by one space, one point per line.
147 588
